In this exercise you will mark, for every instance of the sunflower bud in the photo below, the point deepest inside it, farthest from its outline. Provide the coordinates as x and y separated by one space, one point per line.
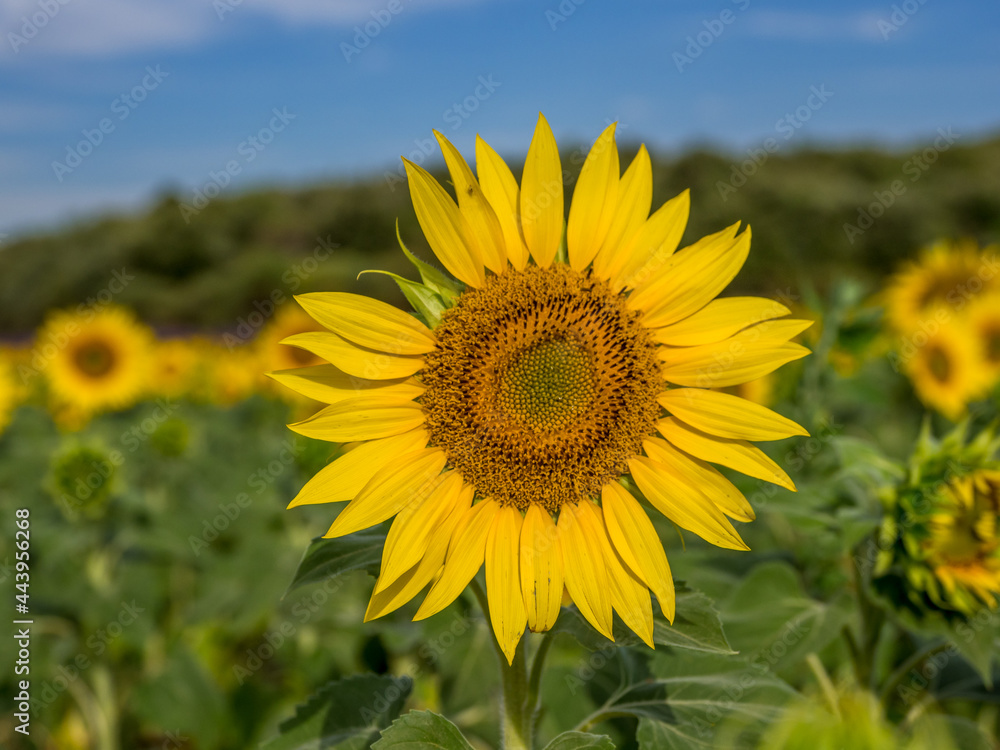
82 479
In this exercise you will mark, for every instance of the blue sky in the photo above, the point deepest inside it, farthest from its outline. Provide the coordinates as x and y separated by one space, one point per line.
211 74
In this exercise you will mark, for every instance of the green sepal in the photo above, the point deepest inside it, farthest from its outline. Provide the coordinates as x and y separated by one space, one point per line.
428 304
432 277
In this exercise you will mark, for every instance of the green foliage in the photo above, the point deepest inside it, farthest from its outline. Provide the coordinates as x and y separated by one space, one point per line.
422 730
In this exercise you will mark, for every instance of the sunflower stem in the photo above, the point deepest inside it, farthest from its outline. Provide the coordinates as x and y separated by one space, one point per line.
516 710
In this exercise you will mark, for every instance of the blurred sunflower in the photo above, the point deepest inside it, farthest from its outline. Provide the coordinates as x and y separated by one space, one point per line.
500 432
984 320
287 321
10 392
176 367
946 371
103 363
947 275
233 373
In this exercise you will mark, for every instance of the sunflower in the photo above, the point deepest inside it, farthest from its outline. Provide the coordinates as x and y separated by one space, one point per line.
551 385
95 360
984 320
963 548
176 367
289 320
10 392
945 278
946 371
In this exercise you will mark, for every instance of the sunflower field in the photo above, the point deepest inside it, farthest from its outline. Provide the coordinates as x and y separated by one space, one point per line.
552 452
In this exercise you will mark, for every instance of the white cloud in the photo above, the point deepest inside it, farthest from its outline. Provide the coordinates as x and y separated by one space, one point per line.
808 26
105 28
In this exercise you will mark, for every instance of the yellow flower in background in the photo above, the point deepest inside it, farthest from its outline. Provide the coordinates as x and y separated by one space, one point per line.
10 392
177 366
941 282
233 373
502 434
963 548
946 371
97 360
984 320
287 321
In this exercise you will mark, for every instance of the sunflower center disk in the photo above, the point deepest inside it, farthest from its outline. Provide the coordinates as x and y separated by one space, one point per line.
543 385
548 385
94 359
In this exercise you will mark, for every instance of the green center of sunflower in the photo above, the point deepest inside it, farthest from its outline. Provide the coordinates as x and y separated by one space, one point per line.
94 358
543 385
938 364
548 384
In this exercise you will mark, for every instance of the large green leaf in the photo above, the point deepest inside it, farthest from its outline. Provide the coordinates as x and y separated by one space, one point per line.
329 558
581 741
344 715
696 627
422 730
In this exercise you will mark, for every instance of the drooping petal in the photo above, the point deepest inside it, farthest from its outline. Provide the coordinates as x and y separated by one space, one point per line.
344 478
584 565
414 525
727 416
635 197
355 360
541 200
541 569
654 244
328 384
444 226
368 322
501 190
637 543
701 477
595 201
738 455
466 553
718 320
485 232
691 278
629 595
409 480
361 418
503 583
683 504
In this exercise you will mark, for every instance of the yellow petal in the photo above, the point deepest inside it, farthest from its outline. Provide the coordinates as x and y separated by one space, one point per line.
773 331
584 565
738 455
444 226
501 190
329 385
595 200
683 504
731 362
629 595
414 525
345 477
635 196
727 416
636 542
465 556
691 279
701 478
408 480
541 569
485 233
361 418
503 582
541 200
653 245
390 597
368 322
355 360
719 319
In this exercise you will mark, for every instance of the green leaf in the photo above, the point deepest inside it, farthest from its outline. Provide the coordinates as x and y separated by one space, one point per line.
329 558
581 741
432 277
696 627
422 730
428 303
344 715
